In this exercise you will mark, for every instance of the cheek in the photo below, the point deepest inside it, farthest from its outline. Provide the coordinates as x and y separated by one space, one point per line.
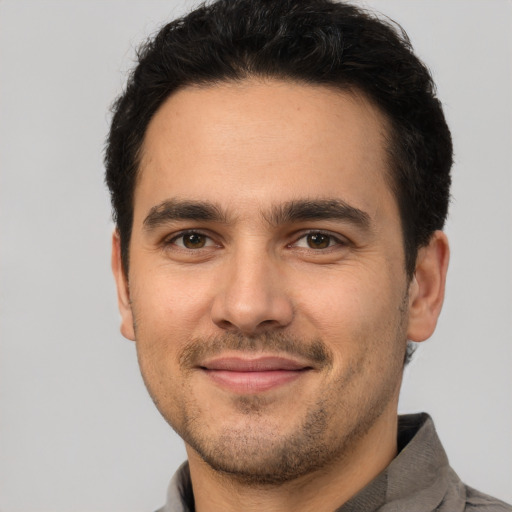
162 328
169 310
160 331
168 307
358 317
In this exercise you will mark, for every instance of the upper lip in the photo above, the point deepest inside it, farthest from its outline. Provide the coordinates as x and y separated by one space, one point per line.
255 364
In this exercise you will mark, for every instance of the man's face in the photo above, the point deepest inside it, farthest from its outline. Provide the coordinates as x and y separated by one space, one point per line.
269 301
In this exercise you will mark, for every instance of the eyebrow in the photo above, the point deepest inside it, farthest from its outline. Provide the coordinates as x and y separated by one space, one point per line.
173 210
319 209
293 211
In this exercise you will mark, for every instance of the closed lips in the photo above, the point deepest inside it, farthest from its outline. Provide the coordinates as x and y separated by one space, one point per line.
262 364
249 376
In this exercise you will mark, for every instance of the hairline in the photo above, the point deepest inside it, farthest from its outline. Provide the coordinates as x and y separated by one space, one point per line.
388 134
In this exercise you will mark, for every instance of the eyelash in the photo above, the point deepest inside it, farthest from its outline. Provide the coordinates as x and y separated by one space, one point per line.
172 240
333 240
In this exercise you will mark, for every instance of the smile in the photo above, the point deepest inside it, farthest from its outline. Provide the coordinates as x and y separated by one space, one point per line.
249 376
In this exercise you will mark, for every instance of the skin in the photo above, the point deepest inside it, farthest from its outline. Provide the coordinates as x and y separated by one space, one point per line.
254 280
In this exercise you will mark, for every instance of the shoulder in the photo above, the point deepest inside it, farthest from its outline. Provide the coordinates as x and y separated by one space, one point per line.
477 501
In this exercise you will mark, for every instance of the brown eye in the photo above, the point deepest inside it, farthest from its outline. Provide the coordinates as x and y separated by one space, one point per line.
193 240
318 241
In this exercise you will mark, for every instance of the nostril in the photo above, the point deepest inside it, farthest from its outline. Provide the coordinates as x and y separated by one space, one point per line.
268 323
248 329
227 325
251 308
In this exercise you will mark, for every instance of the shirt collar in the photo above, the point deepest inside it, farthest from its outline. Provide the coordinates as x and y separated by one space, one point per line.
417 479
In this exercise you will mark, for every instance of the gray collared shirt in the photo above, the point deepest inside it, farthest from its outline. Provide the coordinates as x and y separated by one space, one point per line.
419 479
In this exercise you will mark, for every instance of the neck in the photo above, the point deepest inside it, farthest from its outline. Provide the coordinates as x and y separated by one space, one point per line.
321 491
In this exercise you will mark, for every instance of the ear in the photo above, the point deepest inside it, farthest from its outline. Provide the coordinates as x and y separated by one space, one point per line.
426 290
123 290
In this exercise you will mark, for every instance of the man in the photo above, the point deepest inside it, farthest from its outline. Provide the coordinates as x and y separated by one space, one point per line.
280 176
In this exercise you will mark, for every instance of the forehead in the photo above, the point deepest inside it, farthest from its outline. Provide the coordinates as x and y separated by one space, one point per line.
255 142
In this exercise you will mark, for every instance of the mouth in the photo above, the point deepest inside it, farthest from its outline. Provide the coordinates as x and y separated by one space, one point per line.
253 375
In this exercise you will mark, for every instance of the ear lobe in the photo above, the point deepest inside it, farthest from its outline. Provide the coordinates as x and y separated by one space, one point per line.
426 290
123 290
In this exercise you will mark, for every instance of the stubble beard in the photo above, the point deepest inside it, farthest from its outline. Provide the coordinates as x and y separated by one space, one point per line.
257 453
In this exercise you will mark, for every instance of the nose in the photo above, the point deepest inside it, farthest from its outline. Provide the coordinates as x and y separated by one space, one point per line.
252 296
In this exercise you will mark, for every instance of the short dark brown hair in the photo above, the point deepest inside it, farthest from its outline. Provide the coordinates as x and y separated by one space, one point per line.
308 41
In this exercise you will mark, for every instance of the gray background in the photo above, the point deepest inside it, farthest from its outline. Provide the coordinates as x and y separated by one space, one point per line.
77 429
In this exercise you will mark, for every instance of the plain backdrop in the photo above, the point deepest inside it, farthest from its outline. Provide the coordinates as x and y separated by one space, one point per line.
78 431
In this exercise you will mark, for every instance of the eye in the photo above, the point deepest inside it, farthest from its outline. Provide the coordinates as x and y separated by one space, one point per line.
191 240
317 240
